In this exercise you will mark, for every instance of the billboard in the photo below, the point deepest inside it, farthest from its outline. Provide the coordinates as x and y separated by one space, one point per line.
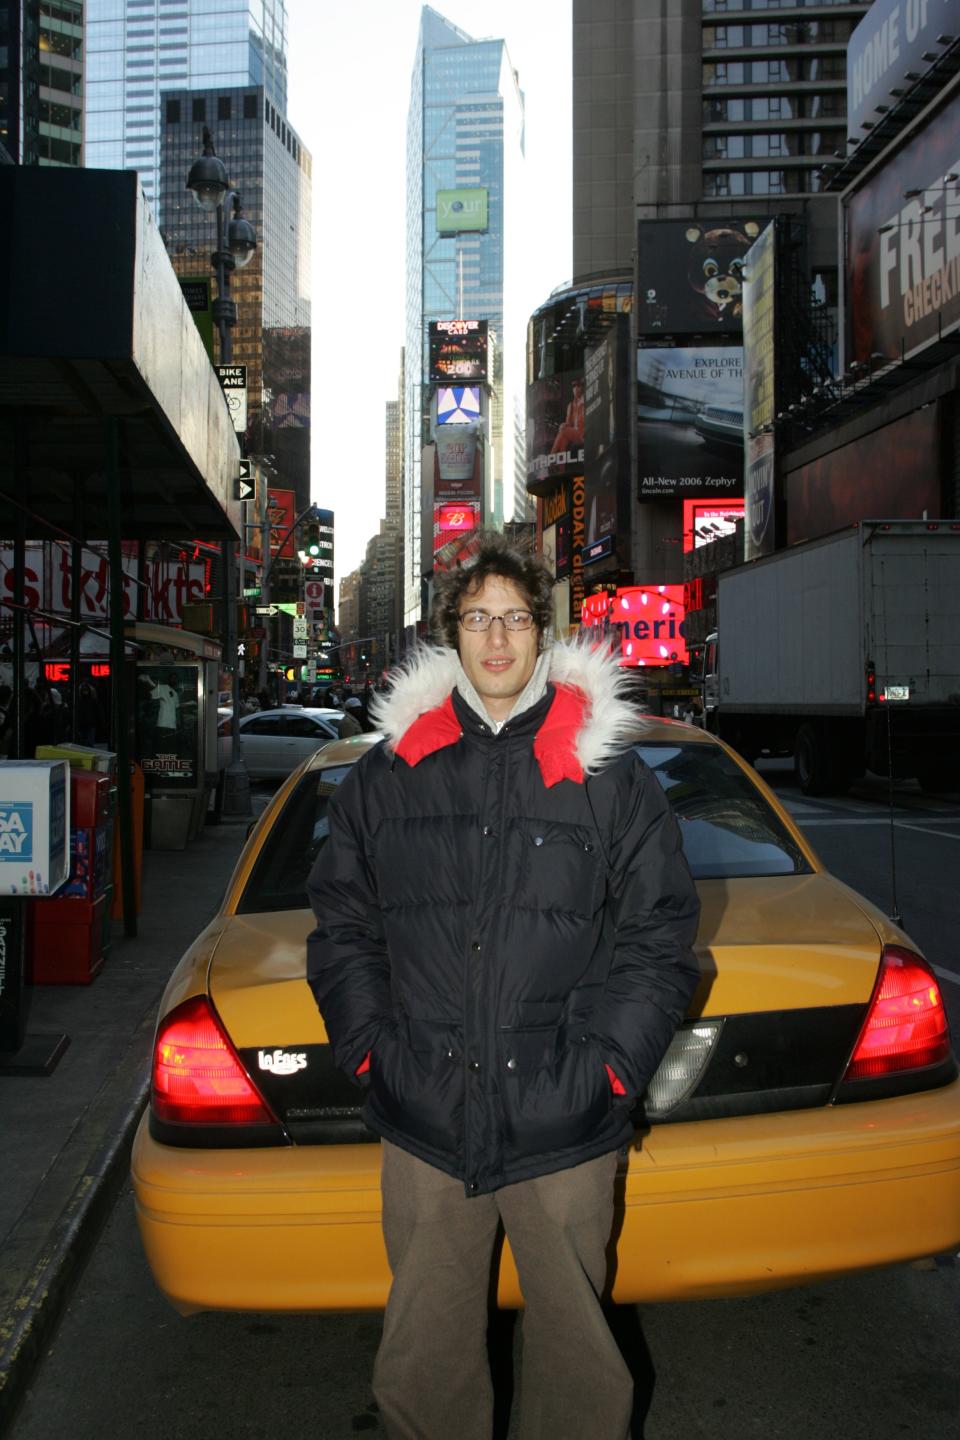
281 513
458 351
690 275
164 584
759 337
555 430
458 404
889 41
893 473
705 521
456 452
606 443
456 517
903 246
649 620
578 512
460 211
690 421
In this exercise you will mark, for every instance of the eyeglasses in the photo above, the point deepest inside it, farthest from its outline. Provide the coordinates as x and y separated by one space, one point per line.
479 620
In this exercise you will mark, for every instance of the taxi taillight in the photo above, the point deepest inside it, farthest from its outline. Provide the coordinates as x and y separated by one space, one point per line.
197 1075
906 1024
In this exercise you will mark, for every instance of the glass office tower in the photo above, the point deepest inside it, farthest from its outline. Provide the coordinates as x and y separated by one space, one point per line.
41 82
464 134
270 167
137 49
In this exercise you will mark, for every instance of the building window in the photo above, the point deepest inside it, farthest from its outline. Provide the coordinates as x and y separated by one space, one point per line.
200 110
249 107
173 112
224 107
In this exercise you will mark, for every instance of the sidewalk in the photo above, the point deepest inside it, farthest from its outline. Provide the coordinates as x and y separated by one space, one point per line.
65 1138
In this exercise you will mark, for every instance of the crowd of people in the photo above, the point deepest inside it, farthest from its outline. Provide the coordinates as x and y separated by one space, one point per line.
48 717
352 703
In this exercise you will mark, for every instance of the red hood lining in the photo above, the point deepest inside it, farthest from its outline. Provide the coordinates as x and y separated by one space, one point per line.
554 744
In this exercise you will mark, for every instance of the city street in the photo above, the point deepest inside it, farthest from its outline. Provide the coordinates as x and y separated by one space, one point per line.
870 1356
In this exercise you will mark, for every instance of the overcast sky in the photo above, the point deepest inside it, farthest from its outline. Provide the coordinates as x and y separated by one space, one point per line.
350 67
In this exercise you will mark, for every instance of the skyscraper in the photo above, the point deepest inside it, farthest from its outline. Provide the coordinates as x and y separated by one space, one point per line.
393 438
271 169
41 82
138 49
464 158
686 105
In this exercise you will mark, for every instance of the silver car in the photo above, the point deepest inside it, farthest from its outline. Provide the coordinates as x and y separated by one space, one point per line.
273 742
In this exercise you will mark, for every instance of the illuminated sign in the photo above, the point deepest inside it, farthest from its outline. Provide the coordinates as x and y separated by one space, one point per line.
598 550
649 620
58 671
705 521
458 350
458 404
456 517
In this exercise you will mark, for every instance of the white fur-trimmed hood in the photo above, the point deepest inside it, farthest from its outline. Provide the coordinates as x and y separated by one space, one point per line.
426 677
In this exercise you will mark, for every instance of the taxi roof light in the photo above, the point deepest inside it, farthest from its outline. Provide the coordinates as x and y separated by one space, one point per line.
906 1025
197 1075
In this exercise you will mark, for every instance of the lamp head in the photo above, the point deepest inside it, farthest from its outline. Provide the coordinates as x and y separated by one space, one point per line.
241 237
208 176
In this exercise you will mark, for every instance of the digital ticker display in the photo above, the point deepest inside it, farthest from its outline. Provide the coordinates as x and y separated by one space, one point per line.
458 350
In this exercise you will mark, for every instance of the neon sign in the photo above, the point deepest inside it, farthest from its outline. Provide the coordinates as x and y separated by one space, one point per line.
57 672
649 620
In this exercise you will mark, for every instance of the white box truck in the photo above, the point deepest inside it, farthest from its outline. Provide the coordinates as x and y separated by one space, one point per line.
845 652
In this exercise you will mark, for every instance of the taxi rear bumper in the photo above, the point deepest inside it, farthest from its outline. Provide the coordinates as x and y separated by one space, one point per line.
711 1208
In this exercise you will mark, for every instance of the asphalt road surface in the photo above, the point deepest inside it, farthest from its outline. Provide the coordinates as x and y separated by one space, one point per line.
872 1357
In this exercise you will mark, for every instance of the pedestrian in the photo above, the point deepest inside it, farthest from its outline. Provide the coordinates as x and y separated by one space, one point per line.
90 718
358 711
502 956
348 722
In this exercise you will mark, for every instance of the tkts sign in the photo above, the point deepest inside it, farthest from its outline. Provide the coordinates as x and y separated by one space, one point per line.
167 585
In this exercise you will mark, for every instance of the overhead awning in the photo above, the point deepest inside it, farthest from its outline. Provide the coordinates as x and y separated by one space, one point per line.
96 340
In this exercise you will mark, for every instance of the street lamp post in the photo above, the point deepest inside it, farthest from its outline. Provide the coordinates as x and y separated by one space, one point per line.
236 243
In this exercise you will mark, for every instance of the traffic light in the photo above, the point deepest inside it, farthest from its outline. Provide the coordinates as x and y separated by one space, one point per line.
311 538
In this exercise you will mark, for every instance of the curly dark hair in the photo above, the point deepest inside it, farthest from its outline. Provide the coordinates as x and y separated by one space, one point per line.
496 556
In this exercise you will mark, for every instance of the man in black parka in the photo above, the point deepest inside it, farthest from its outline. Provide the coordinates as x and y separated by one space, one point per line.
503 952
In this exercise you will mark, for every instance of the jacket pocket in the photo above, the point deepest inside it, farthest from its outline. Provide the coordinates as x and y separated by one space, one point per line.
416 1081
553 1087
559 867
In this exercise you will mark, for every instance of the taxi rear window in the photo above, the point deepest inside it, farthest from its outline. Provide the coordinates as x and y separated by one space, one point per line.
728 829
279 878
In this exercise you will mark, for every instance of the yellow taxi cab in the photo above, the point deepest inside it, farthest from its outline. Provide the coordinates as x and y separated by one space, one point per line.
805 1122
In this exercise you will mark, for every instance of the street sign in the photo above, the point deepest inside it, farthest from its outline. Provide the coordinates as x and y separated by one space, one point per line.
299 627
233 383
311 672
252 592
267 609
299 650
243 489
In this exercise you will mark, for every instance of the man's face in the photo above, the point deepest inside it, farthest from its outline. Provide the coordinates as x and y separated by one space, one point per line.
498 662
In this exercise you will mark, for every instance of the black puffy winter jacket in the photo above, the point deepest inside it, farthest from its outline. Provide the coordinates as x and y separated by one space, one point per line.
494 929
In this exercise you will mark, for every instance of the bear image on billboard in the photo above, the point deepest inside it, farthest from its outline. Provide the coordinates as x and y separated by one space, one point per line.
715 268
690 276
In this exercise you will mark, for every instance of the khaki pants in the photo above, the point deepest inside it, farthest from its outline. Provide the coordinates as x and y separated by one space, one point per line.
432 1377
